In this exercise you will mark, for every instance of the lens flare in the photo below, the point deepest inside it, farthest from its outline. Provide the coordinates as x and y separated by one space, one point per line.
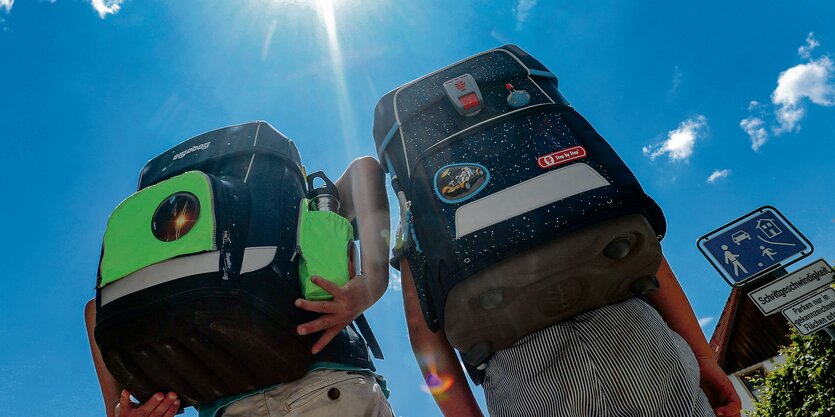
181 220
438 383
175 216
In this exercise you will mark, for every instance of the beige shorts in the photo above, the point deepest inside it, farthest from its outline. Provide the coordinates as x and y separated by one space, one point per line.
323 392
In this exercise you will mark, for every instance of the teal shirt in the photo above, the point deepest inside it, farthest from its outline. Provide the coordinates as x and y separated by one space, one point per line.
212 409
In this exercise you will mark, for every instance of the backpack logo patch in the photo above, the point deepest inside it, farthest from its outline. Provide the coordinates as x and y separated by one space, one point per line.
561 157
458 182
195 148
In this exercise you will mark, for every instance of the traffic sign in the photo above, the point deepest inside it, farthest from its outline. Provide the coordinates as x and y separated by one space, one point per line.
785 290
754 245
813 313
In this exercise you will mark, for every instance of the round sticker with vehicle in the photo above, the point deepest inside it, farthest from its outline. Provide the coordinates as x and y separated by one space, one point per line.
455 183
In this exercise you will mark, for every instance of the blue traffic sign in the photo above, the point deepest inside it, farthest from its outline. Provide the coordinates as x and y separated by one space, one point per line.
754 245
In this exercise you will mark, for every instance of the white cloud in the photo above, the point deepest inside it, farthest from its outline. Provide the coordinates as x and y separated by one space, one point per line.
106 7
812 80
704 321
522 11
395 283
717 174
500 38
754 127
805 51
677 74
679 143
6 4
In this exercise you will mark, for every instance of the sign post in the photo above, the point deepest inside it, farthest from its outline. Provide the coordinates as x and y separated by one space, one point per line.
753 245
830 330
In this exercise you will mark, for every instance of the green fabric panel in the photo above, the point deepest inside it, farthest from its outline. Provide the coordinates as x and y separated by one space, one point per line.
129 243
323 238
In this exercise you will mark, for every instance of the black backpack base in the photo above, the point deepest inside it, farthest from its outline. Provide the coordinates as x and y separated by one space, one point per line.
589 268
203 341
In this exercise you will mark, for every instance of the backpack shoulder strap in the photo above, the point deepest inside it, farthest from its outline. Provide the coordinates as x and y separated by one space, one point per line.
368 335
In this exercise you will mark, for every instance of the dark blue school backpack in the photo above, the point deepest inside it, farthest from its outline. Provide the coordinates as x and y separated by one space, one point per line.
199 274
516 212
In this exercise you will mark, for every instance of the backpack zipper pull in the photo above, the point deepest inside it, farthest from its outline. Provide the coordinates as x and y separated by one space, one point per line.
296 252
226 257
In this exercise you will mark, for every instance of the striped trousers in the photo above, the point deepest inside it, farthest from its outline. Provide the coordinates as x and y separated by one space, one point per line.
620 360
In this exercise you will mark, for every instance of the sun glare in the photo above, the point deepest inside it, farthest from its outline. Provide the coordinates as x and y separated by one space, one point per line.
326 11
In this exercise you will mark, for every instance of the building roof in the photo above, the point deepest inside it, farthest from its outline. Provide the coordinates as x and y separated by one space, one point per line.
744 336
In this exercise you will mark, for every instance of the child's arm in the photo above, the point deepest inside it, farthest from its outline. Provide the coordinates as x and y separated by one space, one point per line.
673 306
117 400
362 191
437 360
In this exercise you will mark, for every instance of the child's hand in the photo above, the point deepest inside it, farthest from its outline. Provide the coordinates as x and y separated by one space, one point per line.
718 388
159 405
349 301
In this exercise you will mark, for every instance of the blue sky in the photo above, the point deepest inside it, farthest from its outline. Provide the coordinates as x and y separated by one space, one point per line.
718 107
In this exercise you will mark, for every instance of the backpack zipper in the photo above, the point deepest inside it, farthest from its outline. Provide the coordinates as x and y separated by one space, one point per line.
298 250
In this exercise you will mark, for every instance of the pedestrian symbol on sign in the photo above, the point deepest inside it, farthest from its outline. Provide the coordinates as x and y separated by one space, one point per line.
733 259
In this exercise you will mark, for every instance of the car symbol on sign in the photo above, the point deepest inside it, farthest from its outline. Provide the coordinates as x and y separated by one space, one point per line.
739 236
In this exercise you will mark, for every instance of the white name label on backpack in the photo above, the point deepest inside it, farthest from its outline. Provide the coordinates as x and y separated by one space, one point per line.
561 157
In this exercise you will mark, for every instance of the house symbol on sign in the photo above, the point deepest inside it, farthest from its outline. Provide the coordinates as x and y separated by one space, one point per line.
769 228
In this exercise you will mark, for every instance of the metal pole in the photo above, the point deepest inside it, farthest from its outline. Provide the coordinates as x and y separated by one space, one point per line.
830 330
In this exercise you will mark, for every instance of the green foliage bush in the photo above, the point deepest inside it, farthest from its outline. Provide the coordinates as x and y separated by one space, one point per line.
805 385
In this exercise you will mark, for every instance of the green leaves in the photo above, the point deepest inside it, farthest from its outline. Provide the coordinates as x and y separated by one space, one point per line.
805 385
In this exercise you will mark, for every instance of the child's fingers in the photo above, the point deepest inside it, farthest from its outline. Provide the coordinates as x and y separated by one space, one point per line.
172 409
162 408
322 323
146 409
124 398
124 403
316 306
326 285
325 339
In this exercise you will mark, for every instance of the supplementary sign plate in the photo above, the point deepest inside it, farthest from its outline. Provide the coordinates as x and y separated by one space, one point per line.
783 291
813 313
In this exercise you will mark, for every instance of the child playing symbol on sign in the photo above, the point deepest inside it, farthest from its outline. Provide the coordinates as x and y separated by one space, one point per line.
768 252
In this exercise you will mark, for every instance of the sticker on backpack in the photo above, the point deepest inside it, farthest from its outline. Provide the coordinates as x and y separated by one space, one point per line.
455 183
561 157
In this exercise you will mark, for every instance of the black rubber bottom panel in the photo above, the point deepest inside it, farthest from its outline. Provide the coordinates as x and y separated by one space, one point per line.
203 345
596 266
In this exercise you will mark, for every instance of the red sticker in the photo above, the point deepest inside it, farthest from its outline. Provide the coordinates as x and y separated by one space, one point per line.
561 157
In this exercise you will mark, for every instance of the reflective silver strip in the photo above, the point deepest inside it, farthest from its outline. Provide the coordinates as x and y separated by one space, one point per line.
254 142
181 267
249 168
526 196
257 258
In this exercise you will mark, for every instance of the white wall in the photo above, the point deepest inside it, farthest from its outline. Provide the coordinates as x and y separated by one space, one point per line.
744 395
